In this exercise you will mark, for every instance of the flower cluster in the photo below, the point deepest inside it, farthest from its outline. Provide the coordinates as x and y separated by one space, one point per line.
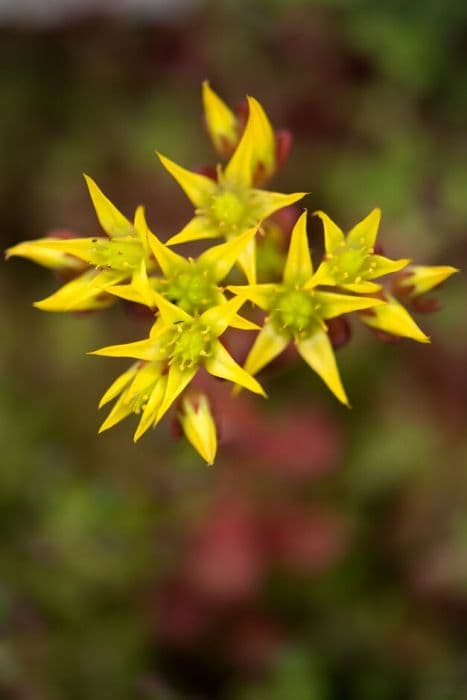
194 302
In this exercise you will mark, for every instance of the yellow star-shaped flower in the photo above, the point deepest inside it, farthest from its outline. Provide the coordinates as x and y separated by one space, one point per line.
231 205
178 345
120 255
297 312
350 261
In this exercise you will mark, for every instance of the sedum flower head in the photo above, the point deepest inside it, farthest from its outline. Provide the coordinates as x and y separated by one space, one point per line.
191 284
231 205
350 261
178 346
107 261
297 312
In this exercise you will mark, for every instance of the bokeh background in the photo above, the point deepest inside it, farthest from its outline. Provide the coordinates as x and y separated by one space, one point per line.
325 555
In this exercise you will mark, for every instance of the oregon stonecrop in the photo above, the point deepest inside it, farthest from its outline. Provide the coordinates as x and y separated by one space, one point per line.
195 301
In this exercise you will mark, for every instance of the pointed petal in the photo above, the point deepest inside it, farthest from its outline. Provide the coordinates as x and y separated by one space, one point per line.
268 345
221 122
169 312
247 261
361 287
140 350
40 252
141 285
323 275
394 319
110 218
168 261
333 235
423 278
298 267
221 258
260 294
200 428
256 148
365 232
84 293
243 324
266 203
221 364
119 411
82 248
384 266
318 354
218 317
198 188
331 305
177 380
198 229
149 415
118 385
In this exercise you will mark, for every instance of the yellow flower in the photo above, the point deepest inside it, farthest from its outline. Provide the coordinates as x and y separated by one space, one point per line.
199 426
231 205
350 261
121 255
178 345
192 285
297 312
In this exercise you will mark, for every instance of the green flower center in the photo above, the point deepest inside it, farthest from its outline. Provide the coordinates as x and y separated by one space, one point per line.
350 263
190 344
228 209
296 311
192 290
118 253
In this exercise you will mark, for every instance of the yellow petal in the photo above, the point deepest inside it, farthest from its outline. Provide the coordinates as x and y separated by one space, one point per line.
177 380
257 148
243 324
365 232
268 345
298 267
318 354
84 293
82 248
218 317
197 229
198 188
119 385
394 319
221 122
424 278
331 305
384 266
247 261
221 258
149 415
170 313
119 411
39 252
222 365
266 203
333 235
140 350
168 261
260 294
199 427
110 218
361 287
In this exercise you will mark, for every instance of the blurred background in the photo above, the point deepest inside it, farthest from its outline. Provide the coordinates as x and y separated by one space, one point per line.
325 555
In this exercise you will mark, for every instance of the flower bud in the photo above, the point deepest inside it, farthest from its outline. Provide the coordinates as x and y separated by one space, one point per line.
199 427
